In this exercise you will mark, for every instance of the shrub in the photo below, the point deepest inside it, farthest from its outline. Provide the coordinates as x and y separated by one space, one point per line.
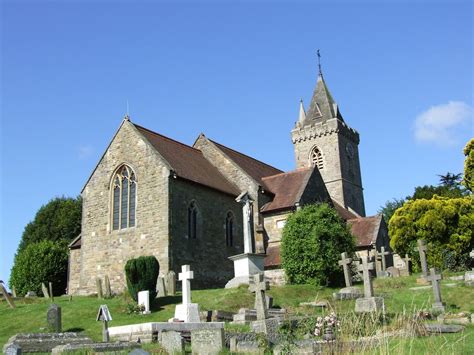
313 240
446 224
142 274
44 261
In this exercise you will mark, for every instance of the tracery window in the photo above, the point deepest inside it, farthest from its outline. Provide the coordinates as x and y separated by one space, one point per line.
229 229
192 220
124 198
316 158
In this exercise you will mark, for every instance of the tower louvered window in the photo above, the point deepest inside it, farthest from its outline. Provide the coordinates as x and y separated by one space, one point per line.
124 198
229 229
317 158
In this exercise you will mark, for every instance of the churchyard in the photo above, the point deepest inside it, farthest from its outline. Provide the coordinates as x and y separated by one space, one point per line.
401 326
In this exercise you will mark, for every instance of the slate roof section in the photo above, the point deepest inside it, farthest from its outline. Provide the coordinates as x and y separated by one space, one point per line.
343 212
76 243
365 229
322 106
187 162
253 167
287 187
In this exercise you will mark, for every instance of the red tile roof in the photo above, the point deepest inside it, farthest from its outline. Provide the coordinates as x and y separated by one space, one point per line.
343 212
76 243
187 162
273 257
253 167
287 187
365 229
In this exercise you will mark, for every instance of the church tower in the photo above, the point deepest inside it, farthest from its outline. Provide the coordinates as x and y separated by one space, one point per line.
322 139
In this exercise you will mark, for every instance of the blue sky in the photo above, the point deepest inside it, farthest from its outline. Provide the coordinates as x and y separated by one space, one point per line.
400 71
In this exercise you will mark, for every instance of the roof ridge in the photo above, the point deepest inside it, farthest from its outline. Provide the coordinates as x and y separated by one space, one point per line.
288 172
245 155
165 137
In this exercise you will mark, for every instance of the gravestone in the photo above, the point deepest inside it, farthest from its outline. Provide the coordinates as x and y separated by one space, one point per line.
99 348
406 271
172 342
393 271
160 287
108 289
259 286
144 300
435 279
469 275
104 316
368 303
207 341
53 318
51 295
98 284
45 290
30 294
14 292
7 296
13 349
422 249
345 262
381 262
170 284
45 342
187 311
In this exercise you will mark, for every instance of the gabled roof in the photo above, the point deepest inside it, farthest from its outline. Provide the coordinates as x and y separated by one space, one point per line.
187 162
365 229
287 187
253 167
343 212
322 106
76 243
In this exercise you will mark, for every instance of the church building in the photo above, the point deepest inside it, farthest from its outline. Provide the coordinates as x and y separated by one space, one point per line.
152 195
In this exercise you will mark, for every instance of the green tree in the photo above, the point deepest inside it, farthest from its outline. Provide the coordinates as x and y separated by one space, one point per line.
450 180
58 221
142 275
390 207
447 224
428 191
468 180
44 261
313 240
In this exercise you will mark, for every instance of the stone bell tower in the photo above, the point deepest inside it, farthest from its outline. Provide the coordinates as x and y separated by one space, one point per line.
322 139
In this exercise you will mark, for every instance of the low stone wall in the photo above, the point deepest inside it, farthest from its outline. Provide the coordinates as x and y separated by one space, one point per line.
95 348
276 277
45 342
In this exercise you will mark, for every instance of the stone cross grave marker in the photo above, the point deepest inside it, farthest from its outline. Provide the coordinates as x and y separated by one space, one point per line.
170 283
104 316
160 287
45 290
247 202
435 283
98 284
144 300
7 296
187 311
185 276
422 248
384 253
407 265
53 318
365 266
108 289
259 286
345 262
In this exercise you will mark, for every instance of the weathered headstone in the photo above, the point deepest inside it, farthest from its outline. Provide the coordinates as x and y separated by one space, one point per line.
207 341
104 316
383 254
187 311
393 271
406 271
368 303
51 295
98 284
144 300
45 290
7 296
172 342
13 349
422 248
30 294
14 292
171 283
435 283
54 318
108 289
160 287
259 286
345 263
469 275
45 342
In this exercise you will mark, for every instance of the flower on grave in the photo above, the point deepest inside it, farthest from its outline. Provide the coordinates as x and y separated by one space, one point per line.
328 322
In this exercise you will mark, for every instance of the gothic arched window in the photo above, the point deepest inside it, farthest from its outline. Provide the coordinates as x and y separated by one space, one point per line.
316 158
124 198
192 220
229 229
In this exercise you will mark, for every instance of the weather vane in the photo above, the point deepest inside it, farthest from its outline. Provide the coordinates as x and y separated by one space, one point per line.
319 62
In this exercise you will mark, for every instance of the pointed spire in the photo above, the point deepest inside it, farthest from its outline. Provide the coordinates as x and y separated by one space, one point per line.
302 115
322 106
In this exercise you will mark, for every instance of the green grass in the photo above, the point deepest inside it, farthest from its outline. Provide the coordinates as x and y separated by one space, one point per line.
80 313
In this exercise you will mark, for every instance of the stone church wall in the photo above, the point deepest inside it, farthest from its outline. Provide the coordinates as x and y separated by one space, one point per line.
74 269
104 251
208 253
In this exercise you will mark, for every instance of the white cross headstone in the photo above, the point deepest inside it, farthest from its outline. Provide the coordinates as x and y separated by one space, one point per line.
144 300
185 276
187 311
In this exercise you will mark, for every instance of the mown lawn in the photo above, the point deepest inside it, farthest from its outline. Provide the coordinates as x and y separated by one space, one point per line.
80 313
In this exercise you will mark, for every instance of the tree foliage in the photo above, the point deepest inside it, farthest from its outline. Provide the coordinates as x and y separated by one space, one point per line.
313 240
44 261
468 180
58 221
142 274
447 224
390 207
